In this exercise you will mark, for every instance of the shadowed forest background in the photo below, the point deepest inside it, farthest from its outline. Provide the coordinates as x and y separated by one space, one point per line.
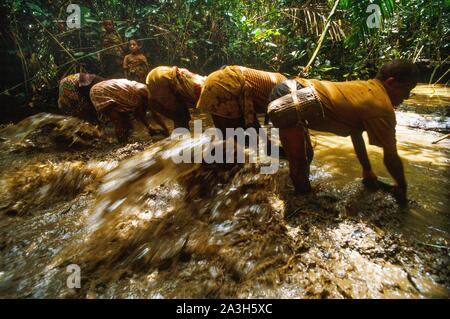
38 49
139 225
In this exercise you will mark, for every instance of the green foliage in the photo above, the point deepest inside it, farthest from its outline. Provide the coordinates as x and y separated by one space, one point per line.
203 35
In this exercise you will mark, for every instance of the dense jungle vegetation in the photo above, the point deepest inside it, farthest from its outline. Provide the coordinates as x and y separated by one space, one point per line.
37 47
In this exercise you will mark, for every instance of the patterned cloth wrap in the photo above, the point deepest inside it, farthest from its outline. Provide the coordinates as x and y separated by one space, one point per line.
113 40
68 88
238 92
189 85
121 94
71 101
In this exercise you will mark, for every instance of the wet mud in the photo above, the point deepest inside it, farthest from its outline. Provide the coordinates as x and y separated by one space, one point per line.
140 226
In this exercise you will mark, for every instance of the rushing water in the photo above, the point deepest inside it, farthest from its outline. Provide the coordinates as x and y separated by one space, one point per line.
52 128
139 225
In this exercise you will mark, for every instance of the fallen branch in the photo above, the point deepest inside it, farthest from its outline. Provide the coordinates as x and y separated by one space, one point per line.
434 246
54 38
441 138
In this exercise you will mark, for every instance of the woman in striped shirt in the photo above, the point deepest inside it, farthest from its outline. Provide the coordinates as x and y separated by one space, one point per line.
117 99
235 94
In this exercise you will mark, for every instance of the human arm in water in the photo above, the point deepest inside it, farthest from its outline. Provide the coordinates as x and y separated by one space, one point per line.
140 112
394 166
392 162
361 153
157 117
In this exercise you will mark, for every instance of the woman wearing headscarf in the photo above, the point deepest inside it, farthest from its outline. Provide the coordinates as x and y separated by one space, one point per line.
74 97
172 92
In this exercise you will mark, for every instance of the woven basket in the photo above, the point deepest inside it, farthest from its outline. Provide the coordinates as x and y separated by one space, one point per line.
298 108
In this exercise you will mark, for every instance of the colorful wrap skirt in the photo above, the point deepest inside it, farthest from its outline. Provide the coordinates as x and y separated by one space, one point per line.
121 94
70 101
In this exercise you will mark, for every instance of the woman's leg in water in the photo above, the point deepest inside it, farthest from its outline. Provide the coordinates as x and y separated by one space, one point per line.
294 144
223 123
182 117
309 147
121 123
139 114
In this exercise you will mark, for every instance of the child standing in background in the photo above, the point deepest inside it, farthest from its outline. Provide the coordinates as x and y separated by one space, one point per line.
111 59
135 64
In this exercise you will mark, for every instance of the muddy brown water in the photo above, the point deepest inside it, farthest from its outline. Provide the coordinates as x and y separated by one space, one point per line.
141 227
